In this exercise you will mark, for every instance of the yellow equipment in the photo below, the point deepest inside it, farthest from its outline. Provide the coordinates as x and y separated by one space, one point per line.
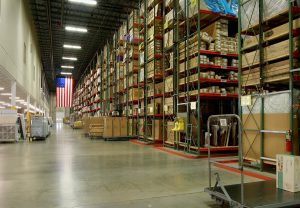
78 125
179 124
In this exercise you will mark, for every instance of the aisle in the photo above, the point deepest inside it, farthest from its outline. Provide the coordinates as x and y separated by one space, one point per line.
71 171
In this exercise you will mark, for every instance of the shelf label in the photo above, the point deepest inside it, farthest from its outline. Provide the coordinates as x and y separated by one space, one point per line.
246 100
223 53
224 94
139 110
224 80
223 122
193 105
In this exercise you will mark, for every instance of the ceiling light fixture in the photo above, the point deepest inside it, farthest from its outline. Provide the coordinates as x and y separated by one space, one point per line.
15 98
87 2
1 88
72 46
70 58
2 107
67 67
76 29
66 73
6 94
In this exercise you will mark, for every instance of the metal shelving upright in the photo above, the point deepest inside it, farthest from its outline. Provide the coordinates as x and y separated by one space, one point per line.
263 89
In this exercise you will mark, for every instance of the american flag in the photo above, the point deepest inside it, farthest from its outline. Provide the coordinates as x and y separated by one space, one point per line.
64 92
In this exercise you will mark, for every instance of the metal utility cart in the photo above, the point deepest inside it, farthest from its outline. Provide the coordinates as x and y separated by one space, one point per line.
262 194
39 128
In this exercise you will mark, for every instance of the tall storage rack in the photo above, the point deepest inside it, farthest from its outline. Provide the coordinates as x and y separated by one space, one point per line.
132 71
153 71
202 83
268 77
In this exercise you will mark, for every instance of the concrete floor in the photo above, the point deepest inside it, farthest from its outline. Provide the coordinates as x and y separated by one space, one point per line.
71 171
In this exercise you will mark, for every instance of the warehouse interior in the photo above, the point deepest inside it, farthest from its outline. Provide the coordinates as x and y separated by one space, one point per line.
149 103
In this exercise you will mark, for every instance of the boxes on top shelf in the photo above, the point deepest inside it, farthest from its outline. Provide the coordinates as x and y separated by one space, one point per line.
133 18
151 3
271 9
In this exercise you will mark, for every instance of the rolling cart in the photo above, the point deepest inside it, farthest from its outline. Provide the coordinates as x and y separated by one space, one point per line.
262 194
39 127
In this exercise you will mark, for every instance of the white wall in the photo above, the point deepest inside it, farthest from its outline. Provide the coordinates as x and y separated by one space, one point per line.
16 29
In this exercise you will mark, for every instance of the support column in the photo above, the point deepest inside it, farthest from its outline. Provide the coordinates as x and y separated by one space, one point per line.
13 94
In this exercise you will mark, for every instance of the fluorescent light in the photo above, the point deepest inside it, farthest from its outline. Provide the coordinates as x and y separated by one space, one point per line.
72 46
1 102
1 88
6 94
87 2
67 67
16 98
69 58
2 107
20 100
18 107
66 73
76 29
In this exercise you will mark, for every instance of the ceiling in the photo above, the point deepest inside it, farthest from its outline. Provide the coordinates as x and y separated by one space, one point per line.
50 18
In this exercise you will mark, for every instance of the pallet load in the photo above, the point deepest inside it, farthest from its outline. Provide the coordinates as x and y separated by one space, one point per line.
115 127
96 127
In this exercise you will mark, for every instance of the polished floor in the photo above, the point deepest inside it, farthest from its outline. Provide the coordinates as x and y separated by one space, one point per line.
71 171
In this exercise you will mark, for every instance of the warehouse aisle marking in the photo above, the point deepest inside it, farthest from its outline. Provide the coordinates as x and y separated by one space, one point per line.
172 152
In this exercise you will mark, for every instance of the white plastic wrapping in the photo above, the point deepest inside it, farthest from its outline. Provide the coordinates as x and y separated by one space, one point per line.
250 11
273 103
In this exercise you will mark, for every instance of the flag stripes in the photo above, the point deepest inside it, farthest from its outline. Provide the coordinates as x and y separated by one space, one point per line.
64 93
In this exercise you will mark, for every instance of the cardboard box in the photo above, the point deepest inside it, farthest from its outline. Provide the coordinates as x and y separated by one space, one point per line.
276 32
154 47
116 128
157 129
273 72
272 52
86 124
108 127
169 84
168 107
156 65
168 39
287 172
170 133
133 94
155 107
